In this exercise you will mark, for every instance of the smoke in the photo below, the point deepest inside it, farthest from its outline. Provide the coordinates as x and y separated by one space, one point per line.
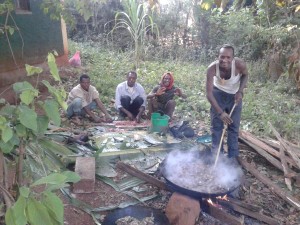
194 170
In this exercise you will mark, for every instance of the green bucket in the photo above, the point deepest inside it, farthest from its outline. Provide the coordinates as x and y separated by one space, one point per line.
159 123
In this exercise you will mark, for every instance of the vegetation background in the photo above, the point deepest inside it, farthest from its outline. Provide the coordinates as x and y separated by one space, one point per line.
184 37
151 37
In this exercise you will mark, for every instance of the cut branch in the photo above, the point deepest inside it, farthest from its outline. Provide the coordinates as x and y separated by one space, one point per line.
143 176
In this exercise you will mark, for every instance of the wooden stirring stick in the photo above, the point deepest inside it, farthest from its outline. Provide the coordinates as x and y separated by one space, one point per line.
223 133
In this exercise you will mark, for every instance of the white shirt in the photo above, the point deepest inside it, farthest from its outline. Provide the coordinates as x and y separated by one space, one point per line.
231 85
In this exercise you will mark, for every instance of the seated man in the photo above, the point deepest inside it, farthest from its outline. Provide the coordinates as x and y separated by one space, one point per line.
82 99
161 97
130 98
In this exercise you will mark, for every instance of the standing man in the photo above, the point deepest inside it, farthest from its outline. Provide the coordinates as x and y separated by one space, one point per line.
130 98
82 99
226 80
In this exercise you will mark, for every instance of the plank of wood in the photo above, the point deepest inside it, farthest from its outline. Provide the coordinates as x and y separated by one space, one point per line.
141 175
293 155
224 216
248 212
273 187
265 154
251 207
244 135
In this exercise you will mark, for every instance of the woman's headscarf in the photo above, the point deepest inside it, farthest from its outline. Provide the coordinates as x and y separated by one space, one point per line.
171 80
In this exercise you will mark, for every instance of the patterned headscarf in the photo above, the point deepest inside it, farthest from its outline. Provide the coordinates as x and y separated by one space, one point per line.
171 80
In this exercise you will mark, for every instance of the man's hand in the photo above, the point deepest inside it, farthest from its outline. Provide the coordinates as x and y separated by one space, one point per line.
108 118
130 116
225 118
160 91
97 119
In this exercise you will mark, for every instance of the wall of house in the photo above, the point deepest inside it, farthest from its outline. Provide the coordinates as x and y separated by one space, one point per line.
37 36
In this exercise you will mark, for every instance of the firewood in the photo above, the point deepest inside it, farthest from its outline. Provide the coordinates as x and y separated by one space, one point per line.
247 211
273 187
251 207
286 147
224 216
265 154
263 146
143 176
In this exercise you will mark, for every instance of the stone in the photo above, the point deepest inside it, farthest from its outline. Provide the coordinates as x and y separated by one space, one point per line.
85 168
182 210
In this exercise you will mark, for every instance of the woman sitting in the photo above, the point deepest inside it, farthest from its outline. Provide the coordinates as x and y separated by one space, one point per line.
161 97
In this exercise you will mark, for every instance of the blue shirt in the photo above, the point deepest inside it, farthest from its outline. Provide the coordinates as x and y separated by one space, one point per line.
123 90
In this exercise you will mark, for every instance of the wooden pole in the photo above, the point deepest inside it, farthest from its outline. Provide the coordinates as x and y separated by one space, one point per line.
223 133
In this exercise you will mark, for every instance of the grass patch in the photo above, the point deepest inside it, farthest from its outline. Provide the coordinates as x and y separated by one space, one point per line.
263 101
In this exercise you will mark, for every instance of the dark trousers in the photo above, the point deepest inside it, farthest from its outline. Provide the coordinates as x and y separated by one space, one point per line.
226 102
133 106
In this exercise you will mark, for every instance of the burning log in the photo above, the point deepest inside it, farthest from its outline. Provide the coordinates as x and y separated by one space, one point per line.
143 176
293 155
247 209
223 216
273 187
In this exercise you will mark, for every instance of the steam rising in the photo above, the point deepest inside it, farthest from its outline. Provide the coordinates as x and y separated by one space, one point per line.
194 171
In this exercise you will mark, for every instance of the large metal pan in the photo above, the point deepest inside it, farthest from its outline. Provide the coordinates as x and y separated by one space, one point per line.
203 155
138 212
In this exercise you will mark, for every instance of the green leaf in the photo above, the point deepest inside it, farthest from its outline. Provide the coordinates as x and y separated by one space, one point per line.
59 94
54 187
22 86
31 70
21 130
28 96
8 110
9 217
24 191
53 67
19 211
54 178
28 117
37 213
11 30
42 123
6 147
71 176
7 134
52 111
55 207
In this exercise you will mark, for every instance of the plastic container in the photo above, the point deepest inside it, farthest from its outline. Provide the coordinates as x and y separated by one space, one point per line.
159 123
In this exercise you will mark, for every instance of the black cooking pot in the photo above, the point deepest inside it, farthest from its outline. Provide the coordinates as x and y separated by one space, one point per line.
204 155
138 212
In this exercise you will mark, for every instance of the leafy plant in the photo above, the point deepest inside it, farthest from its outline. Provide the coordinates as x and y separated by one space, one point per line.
20 124
137 22
41 207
